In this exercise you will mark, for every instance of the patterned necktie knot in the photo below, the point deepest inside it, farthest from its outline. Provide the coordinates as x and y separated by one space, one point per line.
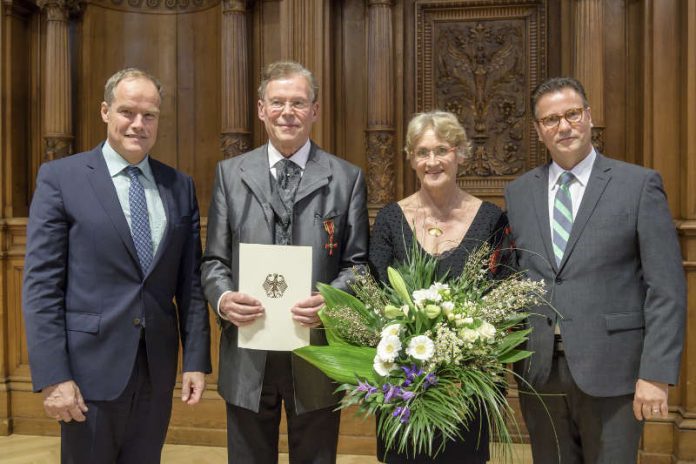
140 220
565 179
287 172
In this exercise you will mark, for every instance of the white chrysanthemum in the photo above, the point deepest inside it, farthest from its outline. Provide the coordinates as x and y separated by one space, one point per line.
468 335
388 348
447 306
439 286
426 294
383 368
391 329
421 347
486 331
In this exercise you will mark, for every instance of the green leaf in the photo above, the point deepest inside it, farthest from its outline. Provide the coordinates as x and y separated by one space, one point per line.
342 363
514 356
512 340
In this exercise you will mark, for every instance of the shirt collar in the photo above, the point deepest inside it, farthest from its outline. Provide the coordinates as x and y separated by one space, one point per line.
116 163
300 157
581 171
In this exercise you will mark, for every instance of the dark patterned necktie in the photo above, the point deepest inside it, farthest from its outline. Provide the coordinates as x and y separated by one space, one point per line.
562 215
288 175
140 221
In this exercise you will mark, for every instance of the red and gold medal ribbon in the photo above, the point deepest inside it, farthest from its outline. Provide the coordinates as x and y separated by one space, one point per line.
329 228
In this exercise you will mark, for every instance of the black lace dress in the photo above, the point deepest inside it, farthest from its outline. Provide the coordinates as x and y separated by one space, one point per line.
390 241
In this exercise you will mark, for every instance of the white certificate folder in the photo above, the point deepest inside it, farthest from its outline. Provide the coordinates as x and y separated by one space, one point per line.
279 276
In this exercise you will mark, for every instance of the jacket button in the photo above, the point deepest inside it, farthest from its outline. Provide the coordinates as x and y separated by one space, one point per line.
558 281
136 321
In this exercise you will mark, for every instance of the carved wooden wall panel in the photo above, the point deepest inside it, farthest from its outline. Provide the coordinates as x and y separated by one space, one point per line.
480 60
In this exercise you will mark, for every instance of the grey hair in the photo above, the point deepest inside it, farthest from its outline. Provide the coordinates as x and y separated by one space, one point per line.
446 127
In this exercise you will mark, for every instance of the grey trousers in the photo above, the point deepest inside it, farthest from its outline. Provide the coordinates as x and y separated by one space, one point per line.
576 428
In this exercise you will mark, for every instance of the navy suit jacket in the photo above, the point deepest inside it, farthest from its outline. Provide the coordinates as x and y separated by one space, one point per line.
84 289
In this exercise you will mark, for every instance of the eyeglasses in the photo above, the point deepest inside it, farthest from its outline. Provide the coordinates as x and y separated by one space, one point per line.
572 116
439 152
295 105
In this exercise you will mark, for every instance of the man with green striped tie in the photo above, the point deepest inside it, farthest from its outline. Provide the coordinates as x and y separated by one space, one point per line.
607 345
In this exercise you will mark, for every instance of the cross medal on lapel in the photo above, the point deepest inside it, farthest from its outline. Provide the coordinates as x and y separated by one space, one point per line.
329 228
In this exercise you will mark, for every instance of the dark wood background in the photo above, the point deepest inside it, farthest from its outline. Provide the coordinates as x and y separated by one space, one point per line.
378 62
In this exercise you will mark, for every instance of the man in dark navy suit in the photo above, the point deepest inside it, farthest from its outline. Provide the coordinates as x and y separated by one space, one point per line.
112 285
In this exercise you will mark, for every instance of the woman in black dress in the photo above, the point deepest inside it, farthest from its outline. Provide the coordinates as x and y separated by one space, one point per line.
448 223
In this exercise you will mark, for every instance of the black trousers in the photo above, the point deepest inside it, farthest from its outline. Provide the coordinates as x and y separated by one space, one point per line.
128 430
252 438
576 428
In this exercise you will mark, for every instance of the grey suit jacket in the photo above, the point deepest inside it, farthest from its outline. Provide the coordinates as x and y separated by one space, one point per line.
241 212
620 289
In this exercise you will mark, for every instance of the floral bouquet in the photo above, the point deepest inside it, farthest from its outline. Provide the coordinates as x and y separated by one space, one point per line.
426 355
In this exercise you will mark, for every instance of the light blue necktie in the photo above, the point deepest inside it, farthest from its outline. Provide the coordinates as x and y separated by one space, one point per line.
140 221
562 215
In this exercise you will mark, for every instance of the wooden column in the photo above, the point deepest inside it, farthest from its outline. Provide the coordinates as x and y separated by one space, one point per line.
58 134
305 37
589 60
669 146
236 134
379 136
684 432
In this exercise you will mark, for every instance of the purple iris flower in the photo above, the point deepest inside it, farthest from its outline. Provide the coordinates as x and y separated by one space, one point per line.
412 372
366 388
403 413
430 380
407 395
390 391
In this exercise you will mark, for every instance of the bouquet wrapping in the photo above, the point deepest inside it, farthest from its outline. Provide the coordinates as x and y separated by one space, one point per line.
425 353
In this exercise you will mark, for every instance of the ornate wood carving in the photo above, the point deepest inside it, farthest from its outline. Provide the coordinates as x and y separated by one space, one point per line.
380 166
157 6
380 105
235 143
235 138
598 138
480 60
57 147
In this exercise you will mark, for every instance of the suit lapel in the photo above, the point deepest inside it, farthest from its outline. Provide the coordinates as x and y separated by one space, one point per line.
105 192
315 175
541 207
599 178
165 192
255 173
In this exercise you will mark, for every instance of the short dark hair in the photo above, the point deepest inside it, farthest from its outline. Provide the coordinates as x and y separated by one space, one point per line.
129 73
285 69
556 84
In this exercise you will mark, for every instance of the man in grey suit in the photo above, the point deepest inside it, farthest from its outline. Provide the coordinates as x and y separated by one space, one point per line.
287 191
599 233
